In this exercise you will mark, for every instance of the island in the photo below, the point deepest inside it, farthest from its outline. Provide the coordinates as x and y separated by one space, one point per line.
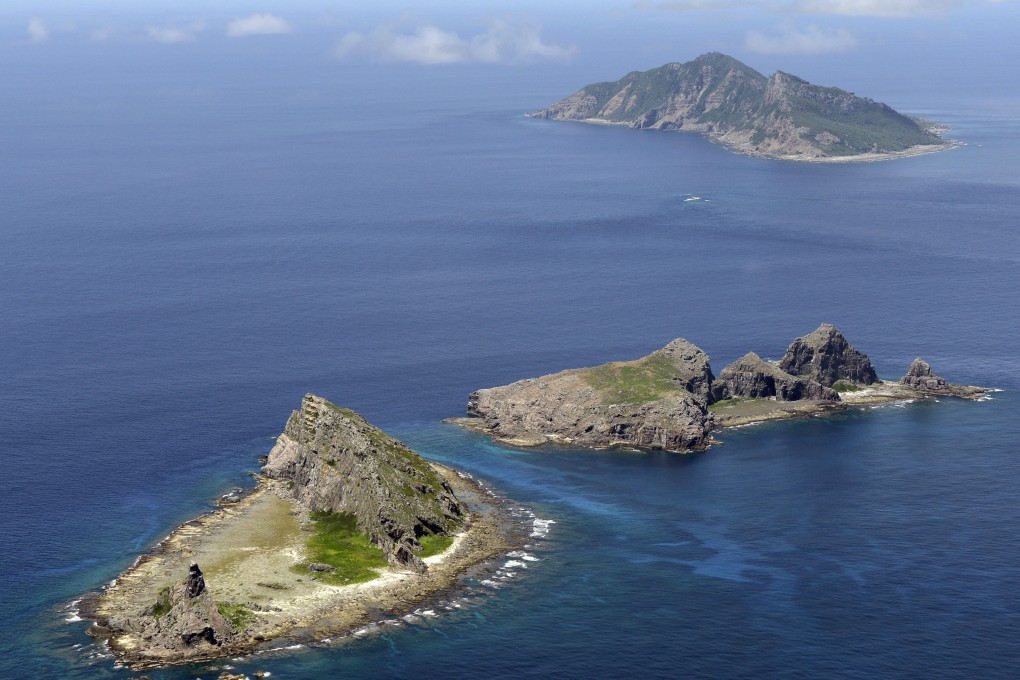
671 400
347 525
781 116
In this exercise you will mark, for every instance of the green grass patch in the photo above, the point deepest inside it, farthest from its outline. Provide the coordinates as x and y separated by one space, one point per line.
846 386
434 544
162 605
633 382
723 403
337 542
238 615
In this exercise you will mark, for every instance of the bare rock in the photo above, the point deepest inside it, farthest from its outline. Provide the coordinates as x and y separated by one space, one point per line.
658 401
692 369
339 463
826 357
185 618
921 378
752 377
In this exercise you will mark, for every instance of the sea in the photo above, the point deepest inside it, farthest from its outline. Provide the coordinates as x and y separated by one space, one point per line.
185 255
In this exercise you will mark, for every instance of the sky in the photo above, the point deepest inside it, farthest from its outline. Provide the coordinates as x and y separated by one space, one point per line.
890 46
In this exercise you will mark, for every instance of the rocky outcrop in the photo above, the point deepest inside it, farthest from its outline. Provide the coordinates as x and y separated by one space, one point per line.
826 357
185 619
751 377
691 368
337 462
659 401
670 399
922 379
779 116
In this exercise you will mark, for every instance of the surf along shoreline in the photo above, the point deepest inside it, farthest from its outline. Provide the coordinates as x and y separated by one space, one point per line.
247 549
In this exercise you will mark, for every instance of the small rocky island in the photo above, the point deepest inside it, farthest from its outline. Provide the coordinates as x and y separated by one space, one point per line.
346 525
780 116
671 400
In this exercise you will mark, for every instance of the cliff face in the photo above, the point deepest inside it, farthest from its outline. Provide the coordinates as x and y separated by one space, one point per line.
659 401
779 116
751 377
339 463
826 357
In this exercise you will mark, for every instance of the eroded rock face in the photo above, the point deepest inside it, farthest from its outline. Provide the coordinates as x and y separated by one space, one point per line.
752 377
826 357
693 370
664 405
920 377
185 618
339 463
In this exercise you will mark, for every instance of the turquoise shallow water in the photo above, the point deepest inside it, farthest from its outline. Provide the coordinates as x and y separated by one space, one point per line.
177 278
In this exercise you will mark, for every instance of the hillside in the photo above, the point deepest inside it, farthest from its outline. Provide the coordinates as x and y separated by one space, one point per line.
781 116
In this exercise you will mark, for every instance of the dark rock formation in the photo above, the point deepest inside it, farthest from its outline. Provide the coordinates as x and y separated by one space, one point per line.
826 357
658 401
185 618
780 116
692 370
752 377
339 463
921 378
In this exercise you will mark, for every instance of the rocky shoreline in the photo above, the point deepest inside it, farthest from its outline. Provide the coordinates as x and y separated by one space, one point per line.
227 583
670 400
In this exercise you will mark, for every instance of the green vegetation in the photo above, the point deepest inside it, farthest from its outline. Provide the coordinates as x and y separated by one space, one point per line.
862 127
238 615
633 382
162 605
846 386
396 463
337 542
723 403
434 544
728 95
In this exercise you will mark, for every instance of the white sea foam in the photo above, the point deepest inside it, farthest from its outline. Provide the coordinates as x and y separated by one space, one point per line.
540 527
510 564
520 554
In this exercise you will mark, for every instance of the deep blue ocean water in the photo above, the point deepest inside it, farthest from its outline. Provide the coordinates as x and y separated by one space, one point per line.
182 262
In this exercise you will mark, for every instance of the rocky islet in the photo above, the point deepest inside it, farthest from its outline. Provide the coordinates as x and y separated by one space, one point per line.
671 400
253 586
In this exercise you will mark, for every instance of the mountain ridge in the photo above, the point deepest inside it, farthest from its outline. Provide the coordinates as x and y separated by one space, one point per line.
780 116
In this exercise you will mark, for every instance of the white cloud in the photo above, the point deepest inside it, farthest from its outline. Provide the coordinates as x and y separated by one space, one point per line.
861 8
504 42
38 31
257 24
102 34
172 35
811 40
877 8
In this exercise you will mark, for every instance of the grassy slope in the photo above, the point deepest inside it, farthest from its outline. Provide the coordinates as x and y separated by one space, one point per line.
632 382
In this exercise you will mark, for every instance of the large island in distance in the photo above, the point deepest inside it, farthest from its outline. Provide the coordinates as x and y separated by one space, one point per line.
781 116
671 400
